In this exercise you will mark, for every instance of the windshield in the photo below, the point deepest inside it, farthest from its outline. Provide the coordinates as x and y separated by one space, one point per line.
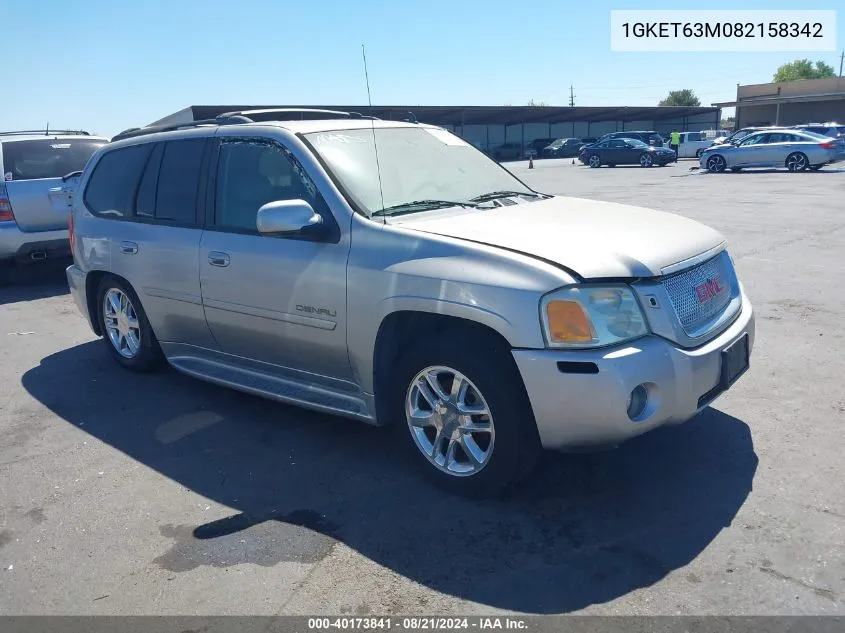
635 143
417 164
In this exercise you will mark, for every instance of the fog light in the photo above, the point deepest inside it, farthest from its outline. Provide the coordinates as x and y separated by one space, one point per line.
637 401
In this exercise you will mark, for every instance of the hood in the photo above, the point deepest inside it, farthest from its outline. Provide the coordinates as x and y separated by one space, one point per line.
591 238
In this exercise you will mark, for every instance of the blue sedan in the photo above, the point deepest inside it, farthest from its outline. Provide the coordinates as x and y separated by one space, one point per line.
625 151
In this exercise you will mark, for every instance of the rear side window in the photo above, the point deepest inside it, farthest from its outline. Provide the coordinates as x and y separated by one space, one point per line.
111 189
46 158
178 181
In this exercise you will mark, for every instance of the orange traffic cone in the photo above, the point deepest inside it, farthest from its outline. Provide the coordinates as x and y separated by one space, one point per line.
531 162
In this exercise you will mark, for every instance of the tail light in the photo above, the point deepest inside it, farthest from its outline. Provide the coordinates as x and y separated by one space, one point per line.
6 213
828 144
70 231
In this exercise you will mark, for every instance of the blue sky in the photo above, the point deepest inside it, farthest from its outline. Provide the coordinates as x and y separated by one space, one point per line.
106 65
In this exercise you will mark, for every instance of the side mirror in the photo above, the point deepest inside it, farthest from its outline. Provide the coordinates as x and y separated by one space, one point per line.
287 217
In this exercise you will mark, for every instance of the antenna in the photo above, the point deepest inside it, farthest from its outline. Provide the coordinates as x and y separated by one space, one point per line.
375 146
47 131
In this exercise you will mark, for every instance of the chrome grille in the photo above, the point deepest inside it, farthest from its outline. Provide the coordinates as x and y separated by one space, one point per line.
693 310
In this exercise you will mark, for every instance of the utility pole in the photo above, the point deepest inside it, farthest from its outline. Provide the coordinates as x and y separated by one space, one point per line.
572 94
841 59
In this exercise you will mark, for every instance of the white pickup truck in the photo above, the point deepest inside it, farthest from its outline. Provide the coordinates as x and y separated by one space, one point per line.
692 144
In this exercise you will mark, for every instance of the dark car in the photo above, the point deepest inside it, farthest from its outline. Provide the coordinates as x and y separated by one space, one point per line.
506 151
649 137
626 151
535 147
563 148
589 140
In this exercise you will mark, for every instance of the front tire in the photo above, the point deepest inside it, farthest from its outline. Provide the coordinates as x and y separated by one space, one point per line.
797 161
126 329
646 160
462 411
716 164
594 161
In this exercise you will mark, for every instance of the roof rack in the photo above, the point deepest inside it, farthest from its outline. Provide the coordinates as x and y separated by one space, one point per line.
245 116
44 132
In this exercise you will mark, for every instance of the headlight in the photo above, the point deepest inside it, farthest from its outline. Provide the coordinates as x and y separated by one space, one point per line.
591 316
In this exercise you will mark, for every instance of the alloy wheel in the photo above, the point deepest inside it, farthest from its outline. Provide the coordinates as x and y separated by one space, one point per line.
450 421
121 321
716 164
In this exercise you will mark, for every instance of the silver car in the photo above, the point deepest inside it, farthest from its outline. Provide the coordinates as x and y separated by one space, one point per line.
393 274
793 149
36 183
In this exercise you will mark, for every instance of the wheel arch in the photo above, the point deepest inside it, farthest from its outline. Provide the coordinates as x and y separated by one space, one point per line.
92 283
403 326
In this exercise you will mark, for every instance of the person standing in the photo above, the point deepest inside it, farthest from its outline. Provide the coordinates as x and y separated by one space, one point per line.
675 141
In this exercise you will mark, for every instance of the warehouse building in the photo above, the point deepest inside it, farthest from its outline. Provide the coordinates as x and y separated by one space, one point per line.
789 103
487 127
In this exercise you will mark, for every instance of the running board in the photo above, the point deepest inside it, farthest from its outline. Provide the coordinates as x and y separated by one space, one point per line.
303 394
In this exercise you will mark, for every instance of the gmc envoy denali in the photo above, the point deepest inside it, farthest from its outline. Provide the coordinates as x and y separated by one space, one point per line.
391 273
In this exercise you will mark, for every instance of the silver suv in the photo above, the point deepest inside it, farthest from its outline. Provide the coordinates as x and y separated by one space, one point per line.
36 182
391 273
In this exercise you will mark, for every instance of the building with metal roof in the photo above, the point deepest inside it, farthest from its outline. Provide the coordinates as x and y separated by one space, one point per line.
490 126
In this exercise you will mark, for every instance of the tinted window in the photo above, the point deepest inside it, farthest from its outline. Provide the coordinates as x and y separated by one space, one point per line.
111 188
694 136
251 174
46 158
146 201
178 181
617 143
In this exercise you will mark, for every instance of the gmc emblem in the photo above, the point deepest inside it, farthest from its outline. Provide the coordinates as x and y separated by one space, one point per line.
709 289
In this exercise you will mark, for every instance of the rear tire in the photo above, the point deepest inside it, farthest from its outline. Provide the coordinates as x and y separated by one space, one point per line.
126 329
493 384
797 161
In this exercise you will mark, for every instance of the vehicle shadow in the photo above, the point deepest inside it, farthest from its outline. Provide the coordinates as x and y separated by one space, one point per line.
37 281
585 529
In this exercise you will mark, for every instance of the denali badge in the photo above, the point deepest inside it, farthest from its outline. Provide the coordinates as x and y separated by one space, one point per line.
709 289
313 310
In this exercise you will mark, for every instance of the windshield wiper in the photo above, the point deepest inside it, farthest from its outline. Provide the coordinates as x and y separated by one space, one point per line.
420 205
484 197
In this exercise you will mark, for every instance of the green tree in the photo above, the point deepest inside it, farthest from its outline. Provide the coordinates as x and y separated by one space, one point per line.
803 69
685 97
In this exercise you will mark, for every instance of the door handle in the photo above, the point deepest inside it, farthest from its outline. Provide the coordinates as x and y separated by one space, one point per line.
128 248
216 258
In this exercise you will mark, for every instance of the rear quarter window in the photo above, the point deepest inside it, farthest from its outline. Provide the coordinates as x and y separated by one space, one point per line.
46 158
112 187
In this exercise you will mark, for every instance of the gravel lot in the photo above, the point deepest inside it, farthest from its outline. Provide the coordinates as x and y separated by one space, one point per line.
124 494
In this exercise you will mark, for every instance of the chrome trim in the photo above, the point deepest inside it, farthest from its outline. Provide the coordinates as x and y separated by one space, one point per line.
264 313
692 261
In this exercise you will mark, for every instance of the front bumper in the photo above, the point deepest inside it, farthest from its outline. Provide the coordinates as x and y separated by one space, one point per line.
575 410
19 245
76 280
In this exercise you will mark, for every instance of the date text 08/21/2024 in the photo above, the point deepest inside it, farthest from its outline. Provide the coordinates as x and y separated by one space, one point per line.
372 623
